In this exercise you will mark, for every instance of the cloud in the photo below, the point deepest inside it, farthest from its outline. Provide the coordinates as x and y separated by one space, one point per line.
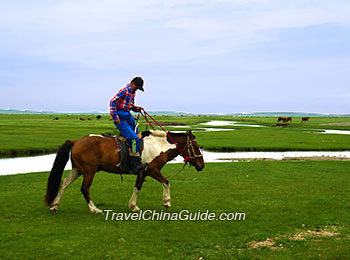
251 45
106 33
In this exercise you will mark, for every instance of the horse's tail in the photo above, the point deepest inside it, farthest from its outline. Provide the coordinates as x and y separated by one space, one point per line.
54 181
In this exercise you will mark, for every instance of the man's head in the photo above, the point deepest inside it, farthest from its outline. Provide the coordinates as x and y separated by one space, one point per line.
137 82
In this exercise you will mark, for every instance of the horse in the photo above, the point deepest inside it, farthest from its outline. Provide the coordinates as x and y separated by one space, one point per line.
305 119
94 153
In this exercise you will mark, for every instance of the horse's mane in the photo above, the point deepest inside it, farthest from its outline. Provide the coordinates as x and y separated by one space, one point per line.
163 134
178 134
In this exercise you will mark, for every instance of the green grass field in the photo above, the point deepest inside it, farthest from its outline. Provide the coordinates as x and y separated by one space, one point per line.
282 200
38 134
294 209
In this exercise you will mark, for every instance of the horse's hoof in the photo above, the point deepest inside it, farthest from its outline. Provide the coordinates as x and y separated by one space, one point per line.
167 206
135 209
96 212
54 210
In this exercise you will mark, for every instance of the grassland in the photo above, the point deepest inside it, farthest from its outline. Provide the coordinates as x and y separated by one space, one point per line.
294 209
298 210
35 134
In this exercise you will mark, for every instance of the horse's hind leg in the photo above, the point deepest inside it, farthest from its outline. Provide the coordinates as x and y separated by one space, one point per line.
72 176
132 202
85 190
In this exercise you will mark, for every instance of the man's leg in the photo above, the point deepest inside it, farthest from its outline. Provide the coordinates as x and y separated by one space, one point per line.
134 156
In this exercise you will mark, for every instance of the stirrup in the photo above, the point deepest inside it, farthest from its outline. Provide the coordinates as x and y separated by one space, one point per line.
136 165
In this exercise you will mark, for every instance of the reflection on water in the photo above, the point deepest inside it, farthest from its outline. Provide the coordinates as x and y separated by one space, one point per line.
43 163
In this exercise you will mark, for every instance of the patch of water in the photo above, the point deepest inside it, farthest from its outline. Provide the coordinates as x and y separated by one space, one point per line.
227 123
9 166
20 165
214 129
340 132
233 156
219 123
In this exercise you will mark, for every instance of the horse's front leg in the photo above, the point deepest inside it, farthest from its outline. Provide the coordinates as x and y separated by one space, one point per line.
166 195
156 174
132 202
85 190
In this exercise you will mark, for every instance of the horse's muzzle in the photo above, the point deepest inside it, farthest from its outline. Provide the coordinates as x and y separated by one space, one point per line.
199 168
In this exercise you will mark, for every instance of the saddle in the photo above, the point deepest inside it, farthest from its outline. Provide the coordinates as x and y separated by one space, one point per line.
124 146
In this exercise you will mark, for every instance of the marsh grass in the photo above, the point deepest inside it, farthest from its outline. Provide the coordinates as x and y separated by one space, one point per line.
39 134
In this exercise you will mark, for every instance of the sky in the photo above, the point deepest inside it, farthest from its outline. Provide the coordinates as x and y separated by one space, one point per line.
209 56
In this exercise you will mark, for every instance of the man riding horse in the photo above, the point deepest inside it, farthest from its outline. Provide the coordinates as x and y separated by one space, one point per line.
93 153
120 106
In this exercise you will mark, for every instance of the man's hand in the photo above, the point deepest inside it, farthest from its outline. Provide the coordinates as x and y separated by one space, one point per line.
117 121
139 109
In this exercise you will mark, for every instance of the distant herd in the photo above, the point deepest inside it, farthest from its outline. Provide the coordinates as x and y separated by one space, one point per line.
83 118
285 119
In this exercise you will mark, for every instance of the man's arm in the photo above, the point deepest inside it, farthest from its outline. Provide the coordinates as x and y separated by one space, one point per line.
113 109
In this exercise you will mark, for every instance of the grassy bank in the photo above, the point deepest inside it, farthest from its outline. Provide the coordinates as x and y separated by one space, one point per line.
35 134
283 201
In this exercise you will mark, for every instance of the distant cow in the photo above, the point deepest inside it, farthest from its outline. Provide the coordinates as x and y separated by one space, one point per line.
89 118
98 117
281 118
56 118
305 119
82 118
284 119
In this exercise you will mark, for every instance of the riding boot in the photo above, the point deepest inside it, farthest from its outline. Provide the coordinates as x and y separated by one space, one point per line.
136 166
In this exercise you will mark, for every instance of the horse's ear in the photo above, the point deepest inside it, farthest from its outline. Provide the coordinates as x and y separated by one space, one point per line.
189 132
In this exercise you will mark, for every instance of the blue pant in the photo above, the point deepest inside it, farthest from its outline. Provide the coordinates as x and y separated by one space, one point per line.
127 128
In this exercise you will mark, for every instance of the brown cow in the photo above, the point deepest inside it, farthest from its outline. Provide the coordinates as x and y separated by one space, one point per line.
305 119
284 119
281 118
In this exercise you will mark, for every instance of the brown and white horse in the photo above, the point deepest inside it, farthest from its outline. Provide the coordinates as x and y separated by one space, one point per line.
94 153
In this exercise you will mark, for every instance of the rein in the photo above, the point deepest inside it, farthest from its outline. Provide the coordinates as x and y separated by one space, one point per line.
186 158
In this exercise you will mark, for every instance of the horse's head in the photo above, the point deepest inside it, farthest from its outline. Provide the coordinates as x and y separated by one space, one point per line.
193 151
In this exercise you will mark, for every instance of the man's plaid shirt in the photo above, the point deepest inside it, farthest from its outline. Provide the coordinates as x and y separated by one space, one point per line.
124 100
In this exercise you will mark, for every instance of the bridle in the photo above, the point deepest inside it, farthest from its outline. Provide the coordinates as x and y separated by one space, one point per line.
190 157
190 148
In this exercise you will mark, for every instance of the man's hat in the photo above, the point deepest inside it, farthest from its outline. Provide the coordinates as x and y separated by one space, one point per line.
138 81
